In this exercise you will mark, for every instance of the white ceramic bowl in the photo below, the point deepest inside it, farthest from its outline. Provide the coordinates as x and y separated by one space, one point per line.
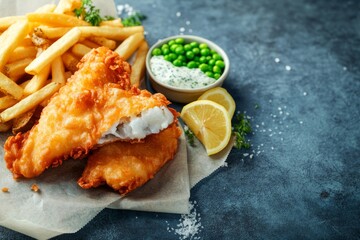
183 95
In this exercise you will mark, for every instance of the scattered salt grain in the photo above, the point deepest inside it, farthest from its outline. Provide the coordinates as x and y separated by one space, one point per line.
182 29
304 93
187 23
287 67
178 14
301 122
344 68
190 225
277 60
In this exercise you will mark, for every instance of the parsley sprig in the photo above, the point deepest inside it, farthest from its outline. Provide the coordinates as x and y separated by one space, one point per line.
190 136
133 20
241 128
89 13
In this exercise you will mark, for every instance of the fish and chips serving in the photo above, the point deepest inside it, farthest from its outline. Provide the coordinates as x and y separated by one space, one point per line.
77 79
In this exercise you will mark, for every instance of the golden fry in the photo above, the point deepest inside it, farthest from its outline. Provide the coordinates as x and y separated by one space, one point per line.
51 32
8 86
80 50
111 44
23 122
7 101
11 38
22 52
28 103
16 70
58 71
114 33
6 22
138 67
65 6
56 49
129 46
46 8
70 61
90 44
37 81
112 23
56 19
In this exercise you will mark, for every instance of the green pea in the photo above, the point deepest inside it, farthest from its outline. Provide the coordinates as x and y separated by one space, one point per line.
194 44
196 50
204 67
217 75
156 52
203 46
202 59
204 51
177 63
190 55
220 64
182 58
171 42
187 47
173 47
216 56
179 50
208 58
216 69
167 58
172 56
164 46
212 51
209 74
191 64
165 51
212 62
180 40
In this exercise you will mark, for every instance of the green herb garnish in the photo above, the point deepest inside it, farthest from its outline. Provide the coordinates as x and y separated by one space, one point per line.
190 137
241 128
89 13
133 20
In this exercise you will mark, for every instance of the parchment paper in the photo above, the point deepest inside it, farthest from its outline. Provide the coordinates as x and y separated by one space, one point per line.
61 206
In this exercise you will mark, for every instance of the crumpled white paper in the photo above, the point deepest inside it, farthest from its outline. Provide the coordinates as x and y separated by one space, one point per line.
61 206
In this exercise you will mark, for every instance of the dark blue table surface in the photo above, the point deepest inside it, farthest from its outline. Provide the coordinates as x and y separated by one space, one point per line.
295 72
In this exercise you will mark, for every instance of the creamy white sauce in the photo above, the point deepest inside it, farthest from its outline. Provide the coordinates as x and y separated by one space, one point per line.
150 121
183 77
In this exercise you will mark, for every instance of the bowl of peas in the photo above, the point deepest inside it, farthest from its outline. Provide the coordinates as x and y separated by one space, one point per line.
182 67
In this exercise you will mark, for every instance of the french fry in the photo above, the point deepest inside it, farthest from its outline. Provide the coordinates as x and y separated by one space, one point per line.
4 127
8 86
22 52
58 71
138 67
6 22
23 122
118 34
111 44
56 19
56 49
7 101
112 23
70 61
46 8
90 44
128 47
51 32
65 6
16 69
37 81
27 42
29 102
80 50
11 38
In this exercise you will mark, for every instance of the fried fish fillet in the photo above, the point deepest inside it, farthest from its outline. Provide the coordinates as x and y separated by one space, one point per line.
125 166
97 105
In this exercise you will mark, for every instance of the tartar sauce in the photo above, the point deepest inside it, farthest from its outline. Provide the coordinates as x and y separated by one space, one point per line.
183 77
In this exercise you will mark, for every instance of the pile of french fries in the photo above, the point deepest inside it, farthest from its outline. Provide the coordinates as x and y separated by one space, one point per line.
41 50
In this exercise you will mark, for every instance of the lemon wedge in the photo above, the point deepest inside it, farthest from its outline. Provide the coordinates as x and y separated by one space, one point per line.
222 97
210 122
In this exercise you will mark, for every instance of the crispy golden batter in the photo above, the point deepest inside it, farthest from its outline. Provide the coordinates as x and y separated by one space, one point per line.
96 96
125 166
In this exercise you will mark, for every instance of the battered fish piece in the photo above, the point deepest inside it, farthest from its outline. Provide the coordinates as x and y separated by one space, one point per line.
96 106
125 166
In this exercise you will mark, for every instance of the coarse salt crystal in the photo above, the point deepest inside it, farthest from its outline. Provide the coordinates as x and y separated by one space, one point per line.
178 14
277 60
287 67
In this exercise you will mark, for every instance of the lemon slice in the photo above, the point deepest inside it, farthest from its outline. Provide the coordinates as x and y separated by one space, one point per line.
210 122
222 97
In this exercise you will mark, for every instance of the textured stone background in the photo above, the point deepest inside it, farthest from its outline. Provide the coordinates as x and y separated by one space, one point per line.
298 61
